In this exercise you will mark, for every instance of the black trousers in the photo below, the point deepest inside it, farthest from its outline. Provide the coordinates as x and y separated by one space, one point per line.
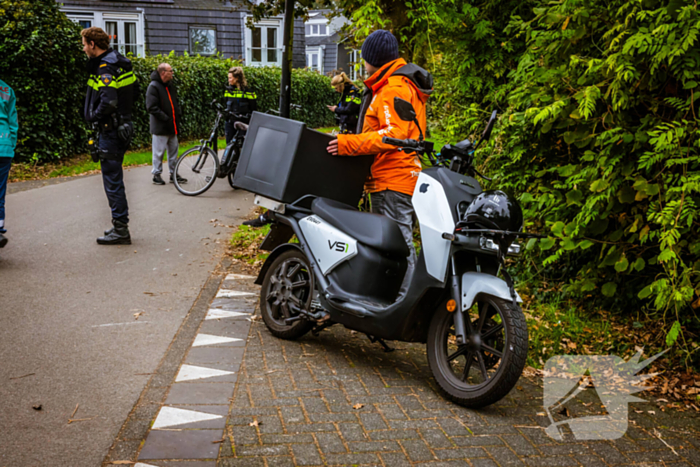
113 175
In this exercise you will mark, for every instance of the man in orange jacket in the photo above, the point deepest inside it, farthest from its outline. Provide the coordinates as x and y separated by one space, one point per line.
394 173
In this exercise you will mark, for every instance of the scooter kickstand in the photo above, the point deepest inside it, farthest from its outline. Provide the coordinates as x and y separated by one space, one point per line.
373 339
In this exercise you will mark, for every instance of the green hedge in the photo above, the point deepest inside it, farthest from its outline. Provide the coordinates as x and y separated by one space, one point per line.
42 60
199 80
599 137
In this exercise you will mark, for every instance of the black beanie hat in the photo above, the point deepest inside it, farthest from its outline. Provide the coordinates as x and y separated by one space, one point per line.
380 48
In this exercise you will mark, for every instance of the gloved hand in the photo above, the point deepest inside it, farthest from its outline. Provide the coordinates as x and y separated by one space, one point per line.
125 131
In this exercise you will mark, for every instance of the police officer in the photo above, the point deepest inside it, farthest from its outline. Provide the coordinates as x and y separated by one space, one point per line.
240 99
108 106
348 109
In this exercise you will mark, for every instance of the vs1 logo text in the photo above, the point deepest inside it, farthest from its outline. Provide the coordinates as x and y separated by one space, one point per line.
338 246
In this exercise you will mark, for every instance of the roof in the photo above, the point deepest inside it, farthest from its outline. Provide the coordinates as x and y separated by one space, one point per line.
322 40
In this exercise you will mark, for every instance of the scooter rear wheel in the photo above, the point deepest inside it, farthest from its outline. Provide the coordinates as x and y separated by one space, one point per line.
288 284
483 370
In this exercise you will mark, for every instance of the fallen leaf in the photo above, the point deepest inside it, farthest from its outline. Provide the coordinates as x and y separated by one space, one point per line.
255 423
565 412
36 407
541 414
122 462
358 406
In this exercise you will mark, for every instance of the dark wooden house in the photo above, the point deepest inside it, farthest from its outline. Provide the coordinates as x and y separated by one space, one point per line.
204 27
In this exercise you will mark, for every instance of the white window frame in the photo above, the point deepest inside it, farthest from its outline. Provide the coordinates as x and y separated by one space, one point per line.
315 50
317 22
99 18
264 24
356 59
202 26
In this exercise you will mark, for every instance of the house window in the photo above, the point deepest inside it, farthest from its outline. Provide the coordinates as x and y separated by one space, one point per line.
125 30
316 29
357 71
314 59
202 40
263 44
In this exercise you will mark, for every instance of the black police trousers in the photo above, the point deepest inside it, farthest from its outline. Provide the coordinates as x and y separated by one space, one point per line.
111 161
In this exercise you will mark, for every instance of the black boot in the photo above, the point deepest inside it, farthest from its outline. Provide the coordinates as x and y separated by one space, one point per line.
259 221
3 241
118 236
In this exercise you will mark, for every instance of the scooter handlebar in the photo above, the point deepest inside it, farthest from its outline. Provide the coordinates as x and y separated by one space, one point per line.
403 143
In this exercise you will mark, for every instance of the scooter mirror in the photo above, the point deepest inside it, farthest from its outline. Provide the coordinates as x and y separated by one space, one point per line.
404 109
489 127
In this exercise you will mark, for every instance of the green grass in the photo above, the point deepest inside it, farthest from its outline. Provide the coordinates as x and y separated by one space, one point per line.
130 159
327 129
245 242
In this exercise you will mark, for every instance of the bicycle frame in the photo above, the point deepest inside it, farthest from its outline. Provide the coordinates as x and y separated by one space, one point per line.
212 137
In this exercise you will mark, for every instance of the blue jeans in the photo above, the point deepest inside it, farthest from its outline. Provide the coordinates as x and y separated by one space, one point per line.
5 163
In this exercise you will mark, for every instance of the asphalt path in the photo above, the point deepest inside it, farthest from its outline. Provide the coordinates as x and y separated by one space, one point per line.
83 325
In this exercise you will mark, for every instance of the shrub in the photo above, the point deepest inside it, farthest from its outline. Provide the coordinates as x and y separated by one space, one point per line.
42 60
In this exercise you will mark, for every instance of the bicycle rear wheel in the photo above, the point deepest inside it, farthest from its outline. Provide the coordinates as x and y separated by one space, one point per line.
198 168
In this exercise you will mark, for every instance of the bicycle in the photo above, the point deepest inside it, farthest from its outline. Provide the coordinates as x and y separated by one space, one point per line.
199 167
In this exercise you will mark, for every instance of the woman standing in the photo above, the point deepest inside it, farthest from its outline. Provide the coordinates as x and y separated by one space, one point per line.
239 100
348 109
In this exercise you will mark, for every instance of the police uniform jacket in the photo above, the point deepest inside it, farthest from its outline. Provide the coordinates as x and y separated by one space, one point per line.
348 109
110 90
242 101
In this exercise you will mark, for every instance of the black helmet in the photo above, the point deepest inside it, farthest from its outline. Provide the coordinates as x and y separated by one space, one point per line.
495 210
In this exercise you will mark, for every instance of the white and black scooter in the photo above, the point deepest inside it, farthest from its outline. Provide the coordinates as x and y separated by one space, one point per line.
349 265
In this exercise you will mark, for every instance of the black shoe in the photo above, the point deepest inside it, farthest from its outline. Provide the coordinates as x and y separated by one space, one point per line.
180 180
158 180
118 236
109 232
3 241
259 221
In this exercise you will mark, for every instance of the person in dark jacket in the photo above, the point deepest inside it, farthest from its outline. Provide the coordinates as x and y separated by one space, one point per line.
108 107
240 99
348 109
163 105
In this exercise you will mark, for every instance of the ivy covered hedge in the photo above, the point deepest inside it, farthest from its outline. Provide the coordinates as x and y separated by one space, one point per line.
599 137
42 60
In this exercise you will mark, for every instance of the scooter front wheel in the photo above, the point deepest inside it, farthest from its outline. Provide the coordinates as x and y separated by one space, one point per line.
485 368
288 285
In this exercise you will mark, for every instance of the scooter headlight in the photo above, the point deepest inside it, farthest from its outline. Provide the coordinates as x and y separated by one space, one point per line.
488 244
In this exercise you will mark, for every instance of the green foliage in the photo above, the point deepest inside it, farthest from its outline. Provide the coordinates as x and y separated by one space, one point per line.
602 131
598 135
42 60
44 63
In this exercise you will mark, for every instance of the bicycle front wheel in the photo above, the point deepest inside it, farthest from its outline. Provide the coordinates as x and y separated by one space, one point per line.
196 171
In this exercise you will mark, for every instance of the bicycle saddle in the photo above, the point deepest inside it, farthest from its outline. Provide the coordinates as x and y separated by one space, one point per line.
240 126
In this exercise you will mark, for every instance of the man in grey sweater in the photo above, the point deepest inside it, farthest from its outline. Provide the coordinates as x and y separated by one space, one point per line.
163 105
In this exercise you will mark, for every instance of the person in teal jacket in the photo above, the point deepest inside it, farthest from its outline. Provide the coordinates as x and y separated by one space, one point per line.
8 141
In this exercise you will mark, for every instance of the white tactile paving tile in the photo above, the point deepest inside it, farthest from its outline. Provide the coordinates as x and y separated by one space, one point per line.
192 372
171 416
233 277
224 293
208 339
216 313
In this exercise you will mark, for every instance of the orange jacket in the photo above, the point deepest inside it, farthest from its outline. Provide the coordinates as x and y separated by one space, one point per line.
392 169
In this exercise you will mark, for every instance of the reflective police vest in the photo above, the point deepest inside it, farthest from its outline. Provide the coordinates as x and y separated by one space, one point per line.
240 101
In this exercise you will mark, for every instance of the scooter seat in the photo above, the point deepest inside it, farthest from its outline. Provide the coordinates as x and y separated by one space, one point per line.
373 230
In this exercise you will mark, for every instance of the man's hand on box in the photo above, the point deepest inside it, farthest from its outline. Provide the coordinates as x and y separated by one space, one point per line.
333 147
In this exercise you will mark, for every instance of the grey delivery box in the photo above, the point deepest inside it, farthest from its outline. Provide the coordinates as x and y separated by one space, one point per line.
283 160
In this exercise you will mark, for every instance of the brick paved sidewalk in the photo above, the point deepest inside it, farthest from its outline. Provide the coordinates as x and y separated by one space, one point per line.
303 396
337 399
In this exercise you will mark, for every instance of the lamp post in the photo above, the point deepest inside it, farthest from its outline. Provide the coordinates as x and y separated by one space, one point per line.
287 55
